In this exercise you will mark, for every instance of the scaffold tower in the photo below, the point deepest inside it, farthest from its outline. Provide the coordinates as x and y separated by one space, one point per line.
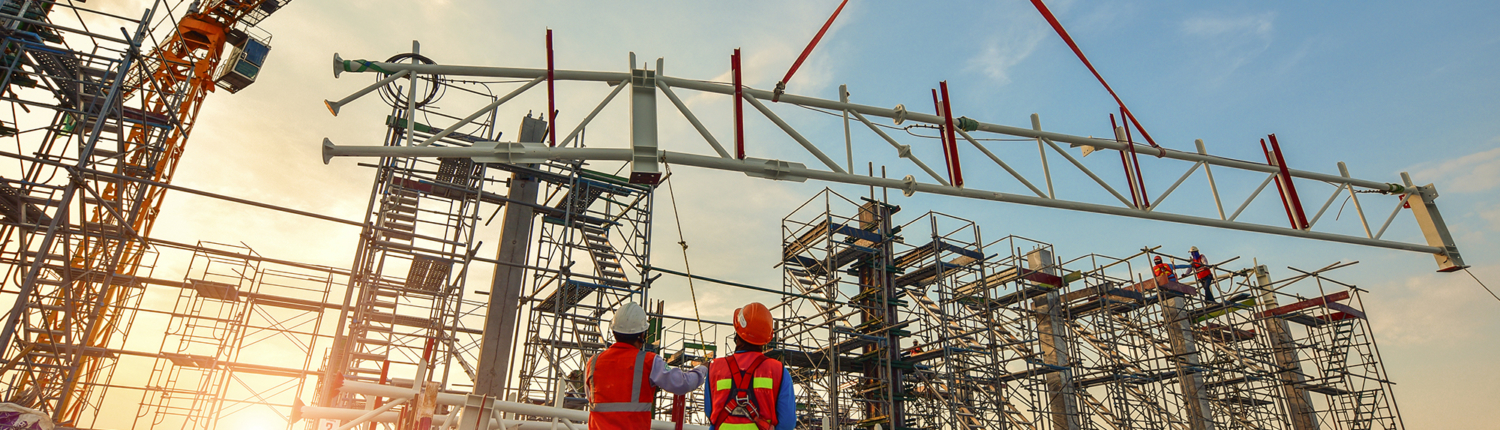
404 315
592 253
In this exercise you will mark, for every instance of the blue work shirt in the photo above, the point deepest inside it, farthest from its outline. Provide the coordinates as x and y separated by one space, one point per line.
786 401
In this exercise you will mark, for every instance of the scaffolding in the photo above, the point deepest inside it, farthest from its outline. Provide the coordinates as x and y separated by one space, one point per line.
242 335
956 333
592 253
405 312
75 213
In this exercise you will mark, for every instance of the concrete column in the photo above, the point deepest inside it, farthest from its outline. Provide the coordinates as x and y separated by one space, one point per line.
1185 347
505 288
1284 352
1061 397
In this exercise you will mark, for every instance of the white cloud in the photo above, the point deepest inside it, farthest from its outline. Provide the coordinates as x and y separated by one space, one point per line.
1432 309
1259 25
1491 214
1003 52
1230 41
1470 173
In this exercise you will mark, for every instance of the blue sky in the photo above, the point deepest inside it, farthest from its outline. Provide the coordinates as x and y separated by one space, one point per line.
1384 86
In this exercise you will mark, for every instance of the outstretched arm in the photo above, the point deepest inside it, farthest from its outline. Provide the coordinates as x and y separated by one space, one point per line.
676 381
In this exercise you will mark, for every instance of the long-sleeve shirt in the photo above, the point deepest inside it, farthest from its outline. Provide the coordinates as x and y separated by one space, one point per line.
677 381
786 402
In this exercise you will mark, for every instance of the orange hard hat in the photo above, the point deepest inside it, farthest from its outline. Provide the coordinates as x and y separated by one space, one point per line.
753 323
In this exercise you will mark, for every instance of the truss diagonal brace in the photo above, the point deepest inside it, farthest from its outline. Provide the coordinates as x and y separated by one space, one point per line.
508 152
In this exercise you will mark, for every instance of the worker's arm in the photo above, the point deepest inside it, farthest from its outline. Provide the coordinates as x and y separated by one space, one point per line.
786 403
676 381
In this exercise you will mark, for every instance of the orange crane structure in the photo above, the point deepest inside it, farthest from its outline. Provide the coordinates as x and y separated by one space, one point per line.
77 218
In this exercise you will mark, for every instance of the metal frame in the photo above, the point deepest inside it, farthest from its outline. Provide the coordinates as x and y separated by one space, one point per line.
1438 241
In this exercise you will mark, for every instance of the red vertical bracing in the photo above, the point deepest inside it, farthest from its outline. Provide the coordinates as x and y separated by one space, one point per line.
551 97
1135 197
937 106
1288 190
1135 161
739 108
385 371
951 140
678 414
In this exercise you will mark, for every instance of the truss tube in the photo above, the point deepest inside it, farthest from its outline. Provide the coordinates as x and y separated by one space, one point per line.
794 171
582 75
692 119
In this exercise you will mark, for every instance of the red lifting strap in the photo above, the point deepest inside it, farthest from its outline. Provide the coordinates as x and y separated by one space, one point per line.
1046 13
781 86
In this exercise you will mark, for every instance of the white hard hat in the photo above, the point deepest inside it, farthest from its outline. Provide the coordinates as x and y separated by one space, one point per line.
1195 249
630 318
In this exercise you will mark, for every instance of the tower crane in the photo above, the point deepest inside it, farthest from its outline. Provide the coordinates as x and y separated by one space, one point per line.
72 297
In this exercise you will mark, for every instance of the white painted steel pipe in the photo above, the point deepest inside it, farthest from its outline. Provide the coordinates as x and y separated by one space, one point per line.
403 393
316 412
614 77
777 169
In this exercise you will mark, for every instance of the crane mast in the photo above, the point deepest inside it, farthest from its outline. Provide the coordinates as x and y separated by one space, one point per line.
78 285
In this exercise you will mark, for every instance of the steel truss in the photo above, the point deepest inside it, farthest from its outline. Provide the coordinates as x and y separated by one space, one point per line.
645 157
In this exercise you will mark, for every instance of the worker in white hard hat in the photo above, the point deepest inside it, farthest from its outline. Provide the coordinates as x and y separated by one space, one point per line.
1205 274
623 380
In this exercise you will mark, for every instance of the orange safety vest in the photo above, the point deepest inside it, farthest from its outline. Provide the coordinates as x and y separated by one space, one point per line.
1201 264
1164 269
621 395
745 387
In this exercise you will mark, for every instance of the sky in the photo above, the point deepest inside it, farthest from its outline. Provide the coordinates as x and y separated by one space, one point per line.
1385 86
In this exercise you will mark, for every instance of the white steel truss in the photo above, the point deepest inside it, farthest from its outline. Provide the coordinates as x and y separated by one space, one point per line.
645 158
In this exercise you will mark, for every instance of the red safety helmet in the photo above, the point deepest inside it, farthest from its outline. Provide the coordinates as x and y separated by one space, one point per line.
753 323
1158 259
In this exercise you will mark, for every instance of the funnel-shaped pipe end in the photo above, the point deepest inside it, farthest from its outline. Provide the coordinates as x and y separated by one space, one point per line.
338 65
333 106
327 150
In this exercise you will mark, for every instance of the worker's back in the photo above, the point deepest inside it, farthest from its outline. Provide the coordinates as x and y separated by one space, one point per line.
620 391
745 387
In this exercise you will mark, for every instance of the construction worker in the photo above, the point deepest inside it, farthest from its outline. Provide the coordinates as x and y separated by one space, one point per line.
621 386
1205 274
1166 269
747 390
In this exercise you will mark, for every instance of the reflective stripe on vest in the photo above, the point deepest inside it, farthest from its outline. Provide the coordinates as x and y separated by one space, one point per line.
1201 263
758 382
635 404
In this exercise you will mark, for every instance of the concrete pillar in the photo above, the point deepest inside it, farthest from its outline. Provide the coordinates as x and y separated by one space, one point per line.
1284 352
1185 347
1061 397
505 288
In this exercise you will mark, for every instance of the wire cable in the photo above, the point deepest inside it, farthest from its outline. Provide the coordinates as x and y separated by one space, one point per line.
677 219
1481 284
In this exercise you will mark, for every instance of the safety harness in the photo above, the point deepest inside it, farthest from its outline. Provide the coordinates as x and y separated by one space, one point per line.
741 400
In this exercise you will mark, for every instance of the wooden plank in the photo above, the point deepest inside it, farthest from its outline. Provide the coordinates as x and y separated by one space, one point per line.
1320 301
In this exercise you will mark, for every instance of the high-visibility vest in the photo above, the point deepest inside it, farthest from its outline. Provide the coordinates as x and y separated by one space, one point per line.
1201 264
1163 269
750 377
621 395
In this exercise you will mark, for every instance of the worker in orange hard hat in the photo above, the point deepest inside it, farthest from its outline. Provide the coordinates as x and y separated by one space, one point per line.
1161 268
747 390
623 380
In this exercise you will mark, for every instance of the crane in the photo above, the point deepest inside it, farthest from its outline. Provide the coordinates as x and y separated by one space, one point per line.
70 304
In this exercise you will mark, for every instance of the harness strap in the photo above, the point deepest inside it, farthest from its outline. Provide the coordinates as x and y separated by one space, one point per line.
738 383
